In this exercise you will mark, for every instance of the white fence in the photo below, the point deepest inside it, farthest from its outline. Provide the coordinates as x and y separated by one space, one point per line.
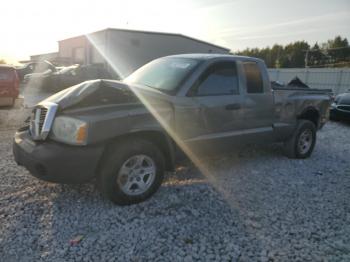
337 79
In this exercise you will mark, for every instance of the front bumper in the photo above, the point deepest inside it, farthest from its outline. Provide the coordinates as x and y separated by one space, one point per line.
335 113
56 162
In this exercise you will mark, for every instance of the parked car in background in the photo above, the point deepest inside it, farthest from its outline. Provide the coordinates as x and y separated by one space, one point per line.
67 76
34 67
340 108
34 77
43 78
126 134
9 85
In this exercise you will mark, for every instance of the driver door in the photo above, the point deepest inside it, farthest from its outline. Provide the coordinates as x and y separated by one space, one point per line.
212 115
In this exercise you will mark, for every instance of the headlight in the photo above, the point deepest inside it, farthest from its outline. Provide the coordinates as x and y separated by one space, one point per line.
335 102
69 130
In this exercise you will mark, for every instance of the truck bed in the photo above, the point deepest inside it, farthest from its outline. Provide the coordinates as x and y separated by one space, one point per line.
309 90
290 102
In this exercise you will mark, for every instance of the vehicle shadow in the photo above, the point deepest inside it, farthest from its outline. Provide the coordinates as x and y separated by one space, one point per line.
221 213
193 210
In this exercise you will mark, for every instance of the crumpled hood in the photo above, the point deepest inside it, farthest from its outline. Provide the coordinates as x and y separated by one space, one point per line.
95 92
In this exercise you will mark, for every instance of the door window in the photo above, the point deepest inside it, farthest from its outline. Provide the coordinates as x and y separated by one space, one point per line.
219 79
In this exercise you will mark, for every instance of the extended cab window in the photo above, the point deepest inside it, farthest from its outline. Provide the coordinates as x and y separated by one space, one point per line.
253 78
220 79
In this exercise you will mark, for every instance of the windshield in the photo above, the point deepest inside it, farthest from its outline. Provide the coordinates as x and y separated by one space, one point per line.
165 74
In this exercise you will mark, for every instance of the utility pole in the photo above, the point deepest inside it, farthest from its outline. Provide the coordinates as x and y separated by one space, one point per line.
306 58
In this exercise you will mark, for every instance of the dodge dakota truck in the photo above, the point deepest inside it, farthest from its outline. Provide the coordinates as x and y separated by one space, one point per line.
125 134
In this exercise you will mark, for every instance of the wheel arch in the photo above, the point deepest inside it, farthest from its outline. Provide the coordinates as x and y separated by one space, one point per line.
311 114
157 137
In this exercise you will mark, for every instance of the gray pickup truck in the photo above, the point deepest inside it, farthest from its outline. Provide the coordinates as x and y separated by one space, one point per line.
126 134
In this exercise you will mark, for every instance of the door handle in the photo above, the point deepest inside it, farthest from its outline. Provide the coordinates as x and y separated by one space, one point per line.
233 107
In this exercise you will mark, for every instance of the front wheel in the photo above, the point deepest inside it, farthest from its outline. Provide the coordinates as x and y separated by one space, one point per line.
302 142
131 172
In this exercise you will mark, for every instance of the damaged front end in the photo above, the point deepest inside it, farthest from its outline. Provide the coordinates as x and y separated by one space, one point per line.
86 94
41 120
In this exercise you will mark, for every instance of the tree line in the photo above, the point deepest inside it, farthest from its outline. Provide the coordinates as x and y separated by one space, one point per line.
333 53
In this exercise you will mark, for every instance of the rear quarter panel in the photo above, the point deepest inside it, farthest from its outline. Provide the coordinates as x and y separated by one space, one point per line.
290 104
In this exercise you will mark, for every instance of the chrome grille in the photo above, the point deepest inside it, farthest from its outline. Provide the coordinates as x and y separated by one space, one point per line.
42 116
344 107
41 120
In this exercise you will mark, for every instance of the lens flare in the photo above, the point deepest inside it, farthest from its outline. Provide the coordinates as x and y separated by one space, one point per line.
204 169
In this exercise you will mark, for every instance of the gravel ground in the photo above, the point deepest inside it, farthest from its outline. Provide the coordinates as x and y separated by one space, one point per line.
256 205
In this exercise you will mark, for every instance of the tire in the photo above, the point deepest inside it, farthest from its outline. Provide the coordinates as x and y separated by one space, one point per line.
125 175
302 142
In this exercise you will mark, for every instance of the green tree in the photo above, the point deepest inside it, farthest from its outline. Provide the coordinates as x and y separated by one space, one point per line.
340 46
337 42
295 53
276 55
315 56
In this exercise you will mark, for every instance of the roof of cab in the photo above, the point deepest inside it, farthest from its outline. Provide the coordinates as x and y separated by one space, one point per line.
214 56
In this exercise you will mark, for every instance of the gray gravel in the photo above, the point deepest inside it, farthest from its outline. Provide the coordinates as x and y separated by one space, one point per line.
256 205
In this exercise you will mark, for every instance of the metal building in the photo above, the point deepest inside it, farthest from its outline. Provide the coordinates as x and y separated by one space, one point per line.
123 51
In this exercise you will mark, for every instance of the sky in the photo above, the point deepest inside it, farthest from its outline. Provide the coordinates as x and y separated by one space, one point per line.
34 27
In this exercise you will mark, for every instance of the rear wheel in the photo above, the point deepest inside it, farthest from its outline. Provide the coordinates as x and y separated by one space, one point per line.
302 143
131 172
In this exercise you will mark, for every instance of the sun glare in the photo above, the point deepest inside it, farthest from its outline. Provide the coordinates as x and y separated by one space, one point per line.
162 120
